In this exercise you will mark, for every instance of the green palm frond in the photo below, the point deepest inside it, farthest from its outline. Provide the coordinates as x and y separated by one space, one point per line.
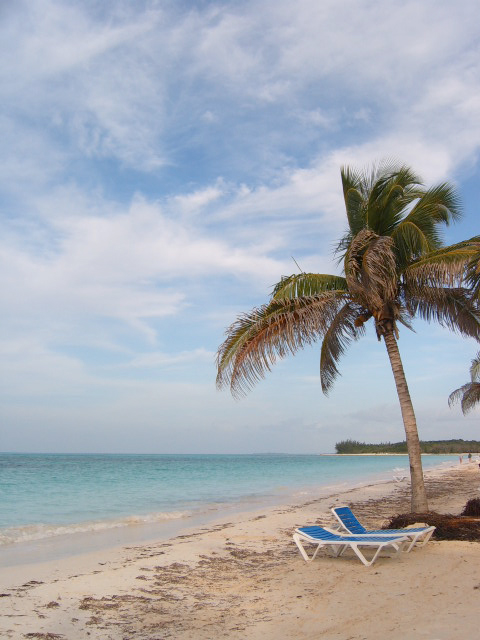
257 339
418 232
352 194
437 206
410 242
440 203
341 332
389 196
307 284
390 200
459 254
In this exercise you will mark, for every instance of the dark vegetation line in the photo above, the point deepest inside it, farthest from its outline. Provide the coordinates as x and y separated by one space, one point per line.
426 446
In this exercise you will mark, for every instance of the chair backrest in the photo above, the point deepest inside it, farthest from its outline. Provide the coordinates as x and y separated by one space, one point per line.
348 520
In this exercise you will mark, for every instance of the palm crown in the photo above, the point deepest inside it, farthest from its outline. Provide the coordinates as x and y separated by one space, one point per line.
394 267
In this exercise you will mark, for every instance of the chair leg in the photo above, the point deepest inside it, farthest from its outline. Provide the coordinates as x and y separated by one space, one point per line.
301 548
339 549
420 539
342 549
360 555
423 540
296 539
413 542
317 550
399 546
380 548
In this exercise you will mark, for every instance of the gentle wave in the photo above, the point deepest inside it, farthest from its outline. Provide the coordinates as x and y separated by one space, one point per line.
34 532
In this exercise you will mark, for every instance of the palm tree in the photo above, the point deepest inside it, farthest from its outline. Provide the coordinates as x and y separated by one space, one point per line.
468 394
394 268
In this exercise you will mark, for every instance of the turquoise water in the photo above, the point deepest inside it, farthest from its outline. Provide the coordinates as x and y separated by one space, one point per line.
44 496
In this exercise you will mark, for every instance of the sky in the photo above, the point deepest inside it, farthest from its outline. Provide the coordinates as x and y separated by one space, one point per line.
164 163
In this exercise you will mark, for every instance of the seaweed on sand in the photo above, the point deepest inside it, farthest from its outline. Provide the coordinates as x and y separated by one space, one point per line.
472 508
448 526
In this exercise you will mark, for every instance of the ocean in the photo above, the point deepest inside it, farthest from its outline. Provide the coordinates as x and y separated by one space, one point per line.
57 497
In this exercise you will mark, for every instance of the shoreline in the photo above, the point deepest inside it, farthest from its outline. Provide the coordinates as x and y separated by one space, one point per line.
135 530
52 538
242 577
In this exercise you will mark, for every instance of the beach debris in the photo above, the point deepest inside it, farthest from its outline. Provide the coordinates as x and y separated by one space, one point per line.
472 508
44 636
448 526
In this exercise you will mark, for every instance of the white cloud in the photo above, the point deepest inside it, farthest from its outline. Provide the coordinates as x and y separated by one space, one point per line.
55 38
195 202
160 359
133 265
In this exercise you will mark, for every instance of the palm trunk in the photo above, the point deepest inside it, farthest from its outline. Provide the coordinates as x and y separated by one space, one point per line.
418 494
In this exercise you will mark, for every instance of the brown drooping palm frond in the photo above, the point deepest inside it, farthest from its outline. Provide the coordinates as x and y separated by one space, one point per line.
444 267
451 308
370 269
343 329
473 267
282 327
468 394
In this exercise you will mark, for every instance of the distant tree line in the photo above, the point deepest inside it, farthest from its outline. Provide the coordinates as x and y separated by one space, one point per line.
426 446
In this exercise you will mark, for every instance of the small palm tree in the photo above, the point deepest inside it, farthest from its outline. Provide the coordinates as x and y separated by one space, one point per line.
394 268
472 276
468 394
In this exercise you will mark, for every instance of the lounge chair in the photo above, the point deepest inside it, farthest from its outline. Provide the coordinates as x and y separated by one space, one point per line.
340 543
399 474
417 535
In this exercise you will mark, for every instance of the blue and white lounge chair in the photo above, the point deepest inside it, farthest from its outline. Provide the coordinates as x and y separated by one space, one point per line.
340 543
417 535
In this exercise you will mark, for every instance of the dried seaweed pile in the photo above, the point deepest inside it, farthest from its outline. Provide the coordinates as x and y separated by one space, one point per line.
472 508
448 527
460 482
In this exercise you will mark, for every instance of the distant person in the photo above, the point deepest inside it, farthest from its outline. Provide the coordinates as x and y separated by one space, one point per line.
469 457
461 459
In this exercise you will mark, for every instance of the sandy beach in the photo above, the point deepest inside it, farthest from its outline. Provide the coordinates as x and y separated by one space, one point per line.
244 578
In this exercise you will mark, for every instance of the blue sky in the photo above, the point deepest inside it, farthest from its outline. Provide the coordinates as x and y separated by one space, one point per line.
161 164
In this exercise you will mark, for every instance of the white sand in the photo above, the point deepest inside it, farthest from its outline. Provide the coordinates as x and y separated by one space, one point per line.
245 579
